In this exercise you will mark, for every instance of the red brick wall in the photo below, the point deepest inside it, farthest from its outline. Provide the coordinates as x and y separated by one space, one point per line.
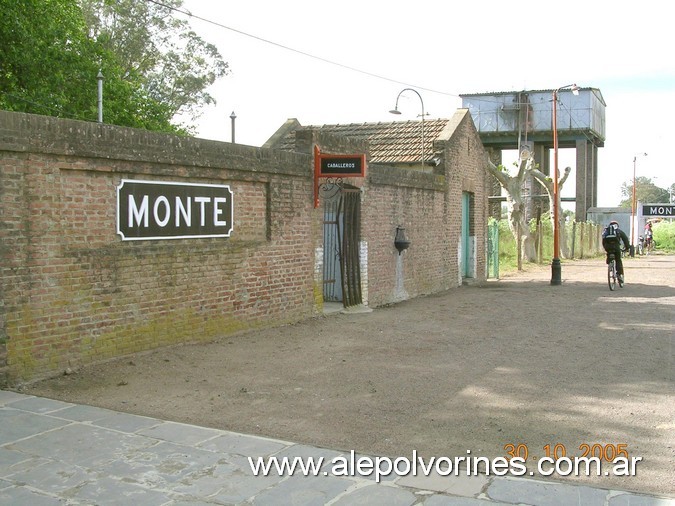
429 206
74 293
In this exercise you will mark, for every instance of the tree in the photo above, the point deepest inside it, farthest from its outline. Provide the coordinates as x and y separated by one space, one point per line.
154 67
515 202
44 54
645 191
174 64
547 183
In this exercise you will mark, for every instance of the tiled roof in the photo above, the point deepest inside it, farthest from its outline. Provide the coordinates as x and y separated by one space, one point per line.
395 142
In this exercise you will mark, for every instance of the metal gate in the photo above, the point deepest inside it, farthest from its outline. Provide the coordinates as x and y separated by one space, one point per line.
341 233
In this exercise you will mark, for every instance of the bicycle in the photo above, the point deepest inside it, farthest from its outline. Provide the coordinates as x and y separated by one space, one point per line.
612 275
649 245
611 272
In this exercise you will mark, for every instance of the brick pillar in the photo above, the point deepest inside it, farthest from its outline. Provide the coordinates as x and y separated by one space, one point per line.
586 178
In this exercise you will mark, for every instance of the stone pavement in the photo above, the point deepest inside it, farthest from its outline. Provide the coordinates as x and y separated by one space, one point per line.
53 452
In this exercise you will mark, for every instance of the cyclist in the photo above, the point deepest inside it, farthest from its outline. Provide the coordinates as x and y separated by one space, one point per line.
649 236
612 237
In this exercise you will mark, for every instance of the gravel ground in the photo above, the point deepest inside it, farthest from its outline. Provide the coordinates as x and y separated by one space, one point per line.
511 362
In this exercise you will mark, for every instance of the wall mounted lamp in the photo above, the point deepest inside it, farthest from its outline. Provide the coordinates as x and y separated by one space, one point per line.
401 243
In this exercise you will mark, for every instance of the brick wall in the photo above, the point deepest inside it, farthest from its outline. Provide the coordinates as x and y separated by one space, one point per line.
74 293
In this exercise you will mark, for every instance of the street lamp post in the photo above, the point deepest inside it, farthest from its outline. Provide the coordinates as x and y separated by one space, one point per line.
233 117
556 268
99 78
396 111
633 207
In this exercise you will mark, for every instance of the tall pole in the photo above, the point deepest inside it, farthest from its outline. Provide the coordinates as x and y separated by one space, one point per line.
633 211
233 116
99 77
556 269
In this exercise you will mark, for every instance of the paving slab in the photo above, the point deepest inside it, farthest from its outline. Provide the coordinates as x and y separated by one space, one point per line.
59 453
525 491
373 495
17 425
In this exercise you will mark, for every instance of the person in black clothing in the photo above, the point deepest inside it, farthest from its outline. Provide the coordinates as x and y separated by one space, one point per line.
612 237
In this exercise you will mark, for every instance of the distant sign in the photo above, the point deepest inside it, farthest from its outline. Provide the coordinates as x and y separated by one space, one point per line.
663 210
164 210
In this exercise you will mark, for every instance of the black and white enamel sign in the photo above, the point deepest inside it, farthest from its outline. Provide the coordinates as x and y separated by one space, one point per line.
167 210
664 210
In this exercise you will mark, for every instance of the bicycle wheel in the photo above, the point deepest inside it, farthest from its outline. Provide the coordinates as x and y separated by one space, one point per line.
611 274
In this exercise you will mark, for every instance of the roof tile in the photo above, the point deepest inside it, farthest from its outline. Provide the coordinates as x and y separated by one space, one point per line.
394 142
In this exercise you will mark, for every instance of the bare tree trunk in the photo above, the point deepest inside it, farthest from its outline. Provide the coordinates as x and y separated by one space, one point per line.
515 208
547 183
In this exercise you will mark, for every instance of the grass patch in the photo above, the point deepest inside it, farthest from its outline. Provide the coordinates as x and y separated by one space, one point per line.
586 244
664 236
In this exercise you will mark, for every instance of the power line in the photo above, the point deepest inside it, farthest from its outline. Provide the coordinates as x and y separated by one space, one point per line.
57 113
300 52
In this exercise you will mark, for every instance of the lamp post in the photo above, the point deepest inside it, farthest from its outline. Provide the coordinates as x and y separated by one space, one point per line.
556 269
633 207
99 78
396 111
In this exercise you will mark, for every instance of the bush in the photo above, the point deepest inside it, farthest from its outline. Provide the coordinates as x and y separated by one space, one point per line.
664 236
591 247
508 260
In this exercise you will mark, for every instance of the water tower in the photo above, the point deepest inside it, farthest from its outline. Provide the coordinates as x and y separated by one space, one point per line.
523 120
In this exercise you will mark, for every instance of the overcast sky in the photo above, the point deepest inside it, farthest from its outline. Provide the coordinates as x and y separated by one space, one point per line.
345 62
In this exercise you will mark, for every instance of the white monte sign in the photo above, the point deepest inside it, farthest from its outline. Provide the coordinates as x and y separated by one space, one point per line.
167 210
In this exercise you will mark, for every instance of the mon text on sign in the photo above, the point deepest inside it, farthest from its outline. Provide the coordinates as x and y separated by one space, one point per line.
167 210
664 210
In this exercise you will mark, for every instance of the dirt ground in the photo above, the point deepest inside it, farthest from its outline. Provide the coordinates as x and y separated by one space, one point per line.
514 361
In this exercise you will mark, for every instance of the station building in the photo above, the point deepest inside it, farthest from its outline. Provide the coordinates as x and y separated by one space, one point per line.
117 240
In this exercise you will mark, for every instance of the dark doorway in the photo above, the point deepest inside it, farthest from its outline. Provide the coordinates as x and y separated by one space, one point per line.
341 234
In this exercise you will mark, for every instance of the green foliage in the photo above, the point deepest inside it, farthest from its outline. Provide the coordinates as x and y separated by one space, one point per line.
645 191
664 236
154 67
583 236
175 64
508 258
45 54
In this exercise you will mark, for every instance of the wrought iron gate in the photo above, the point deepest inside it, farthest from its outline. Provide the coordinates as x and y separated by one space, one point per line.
341 263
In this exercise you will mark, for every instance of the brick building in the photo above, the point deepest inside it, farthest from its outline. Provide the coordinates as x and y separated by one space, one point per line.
78 287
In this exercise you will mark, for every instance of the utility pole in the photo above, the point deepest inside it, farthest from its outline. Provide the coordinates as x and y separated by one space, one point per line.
233 116
100 96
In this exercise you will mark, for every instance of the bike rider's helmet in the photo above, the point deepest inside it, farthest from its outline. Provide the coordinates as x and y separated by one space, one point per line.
614 225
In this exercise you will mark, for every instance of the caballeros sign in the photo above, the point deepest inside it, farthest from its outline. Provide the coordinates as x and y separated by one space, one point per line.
336 167
161 210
